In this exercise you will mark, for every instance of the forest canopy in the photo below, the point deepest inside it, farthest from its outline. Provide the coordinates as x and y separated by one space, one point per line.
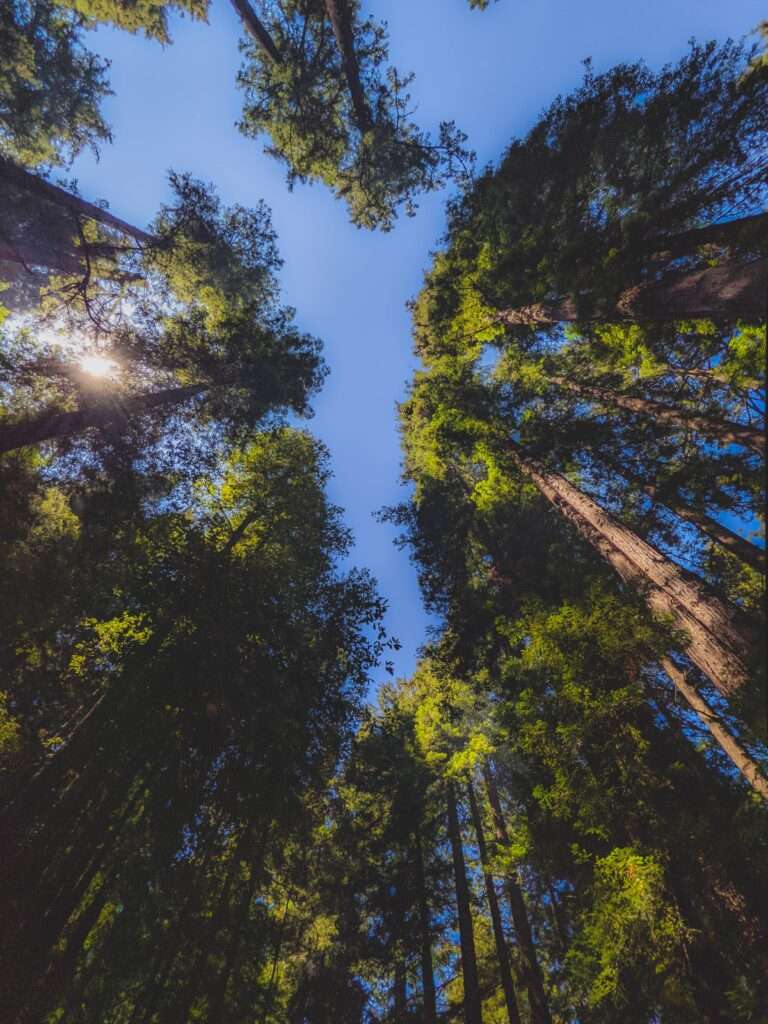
213 809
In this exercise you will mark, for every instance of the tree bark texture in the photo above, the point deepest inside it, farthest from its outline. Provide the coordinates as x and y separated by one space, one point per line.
729 292
749 553
472 1000
719 646
502 952
725 431
256 29
341 22
533 978
720 732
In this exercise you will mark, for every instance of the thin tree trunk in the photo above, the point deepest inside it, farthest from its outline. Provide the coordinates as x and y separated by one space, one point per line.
338 13
257 30
218 997
472 1003
502 952
711 374
728 292
427 967
741 232
112 409
39 186
716 644
725 431
723 736
743 549
399 992
534 980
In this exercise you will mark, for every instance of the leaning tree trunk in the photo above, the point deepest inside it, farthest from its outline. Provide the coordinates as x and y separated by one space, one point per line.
338 13
257 30
472 1000
721 733
56 425
502 953
740 234
728 292
717 645
427 967
534 980
39 186
725 431
743 549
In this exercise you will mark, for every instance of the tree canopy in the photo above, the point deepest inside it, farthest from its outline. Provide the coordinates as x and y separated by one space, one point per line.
212 809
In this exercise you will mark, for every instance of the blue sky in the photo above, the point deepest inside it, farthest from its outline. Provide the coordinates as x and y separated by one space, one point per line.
492 72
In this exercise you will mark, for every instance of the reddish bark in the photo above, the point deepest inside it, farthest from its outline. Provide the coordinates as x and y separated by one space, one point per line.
717 645
728 292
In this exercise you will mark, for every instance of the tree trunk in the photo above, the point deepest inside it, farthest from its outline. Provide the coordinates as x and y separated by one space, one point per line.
472 1002
219 993
725 431
728 292
737 234
717 645
723 736
338 13
257 30
743 549
502 952
534 980
39 186
110 410
427 967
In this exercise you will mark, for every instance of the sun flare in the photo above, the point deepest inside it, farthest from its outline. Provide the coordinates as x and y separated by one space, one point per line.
98 366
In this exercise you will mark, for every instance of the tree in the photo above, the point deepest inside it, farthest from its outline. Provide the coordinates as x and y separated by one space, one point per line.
51 87
198 318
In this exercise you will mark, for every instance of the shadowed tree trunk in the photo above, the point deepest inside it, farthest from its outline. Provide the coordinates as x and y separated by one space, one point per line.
725 431
720 732
338 13
427 967
111 410
39 186
533 978
472 999
502 952
728 292
739 233
257 30
717 645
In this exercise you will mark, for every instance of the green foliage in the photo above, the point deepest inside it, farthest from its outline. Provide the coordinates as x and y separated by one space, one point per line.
632 923
51 87
304 105
147 16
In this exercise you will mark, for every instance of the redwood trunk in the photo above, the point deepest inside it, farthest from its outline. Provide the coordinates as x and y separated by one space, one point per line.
728 292
716 644
256 30
502 952
39 186
722 735
338 13
472 1000
427 967
534 980
749 553
739 233
724 431
57 425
